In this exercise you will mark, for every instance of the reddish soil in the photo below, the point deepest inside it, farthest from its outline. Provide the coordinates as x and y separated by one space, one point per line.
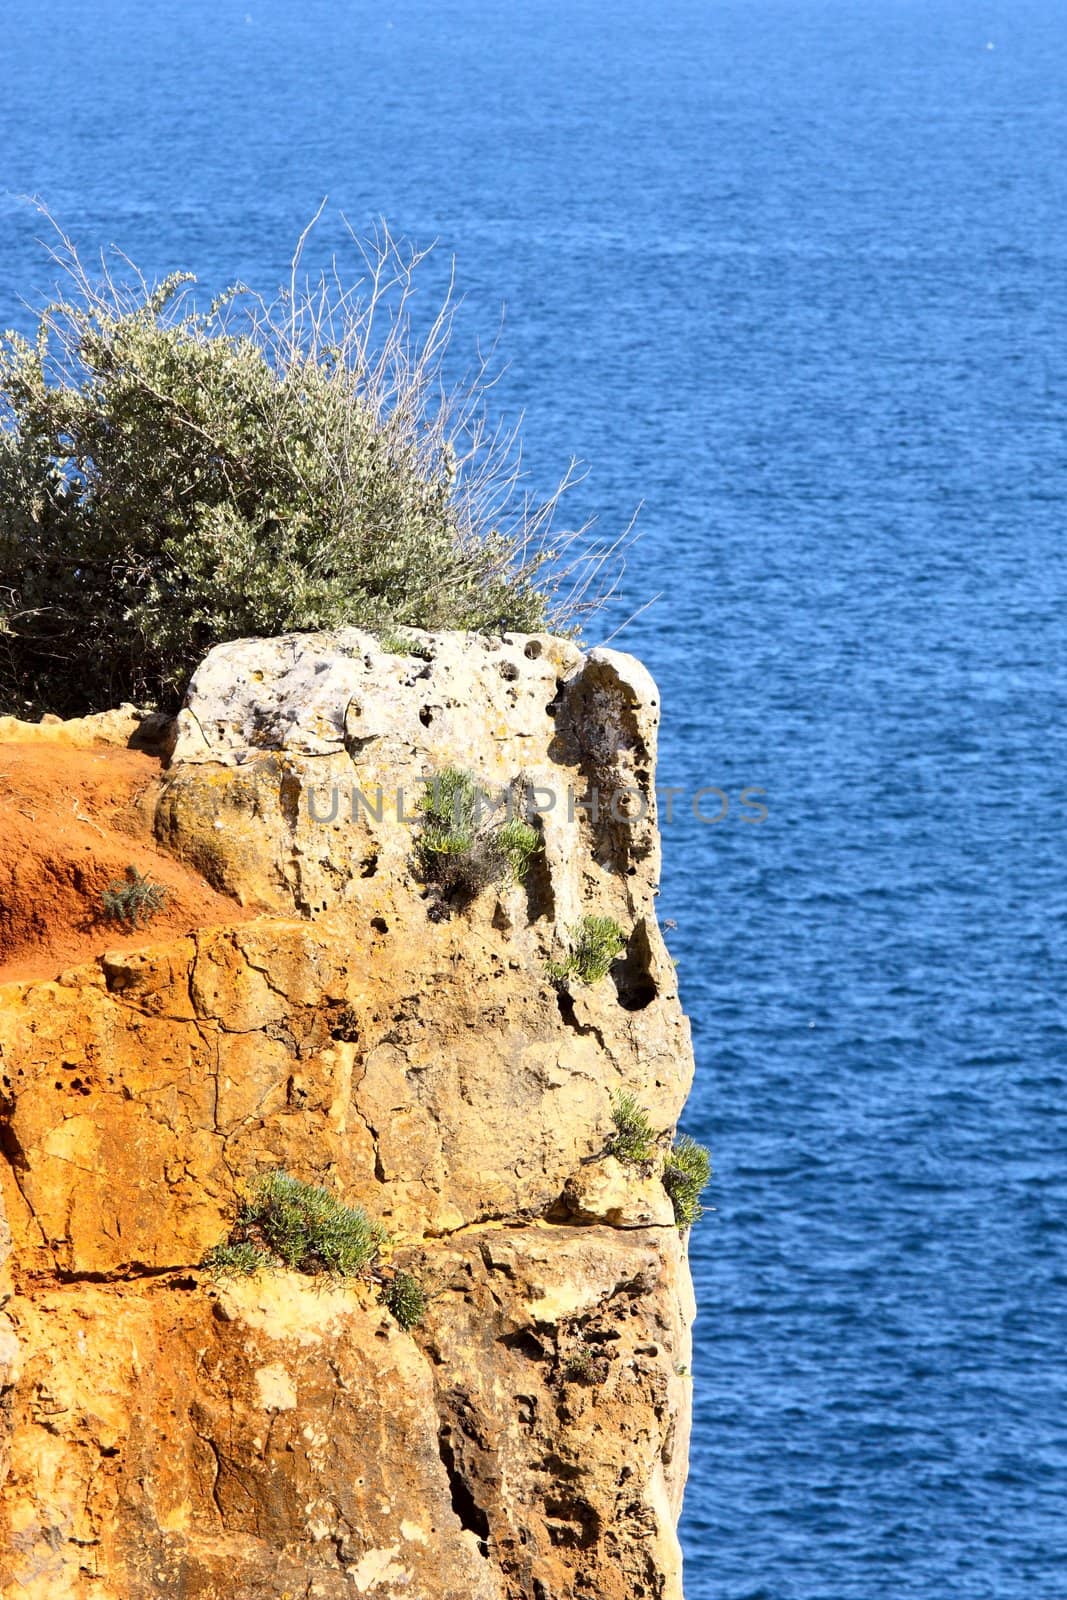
71 822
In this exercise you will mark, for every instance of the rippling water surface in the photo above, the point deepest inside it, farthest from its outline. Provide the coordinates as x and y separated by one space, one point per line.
794 274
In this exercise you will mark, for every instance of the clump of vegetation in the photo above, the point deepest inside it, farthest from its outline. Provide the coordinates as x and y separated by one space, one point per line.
520 842
235 1260
450 818
594 943
686 1172
460 850
173 477
634 1139
285 1222
579 1366
405 1297
133 900
686 1167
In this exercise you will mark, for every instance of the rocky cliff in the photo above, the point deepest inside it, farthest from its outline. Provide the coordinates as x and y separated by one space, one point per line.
307 1003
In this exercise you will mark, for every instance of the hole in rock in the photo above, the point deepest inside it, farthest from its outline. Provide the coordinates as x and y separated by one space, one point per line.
632 974
470 1514
554 704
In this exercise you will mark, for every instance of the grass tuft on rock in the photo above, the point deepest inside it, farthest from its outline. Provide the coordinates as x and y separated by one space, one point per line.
235 1260
520 842
686 1169
405 1297
634 1139
593 944
579 1366
686 1173
285 1222
463 847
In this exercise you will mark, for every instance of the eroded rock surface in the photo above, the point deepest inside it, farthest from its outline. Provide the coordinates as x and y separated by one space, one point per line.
167 1434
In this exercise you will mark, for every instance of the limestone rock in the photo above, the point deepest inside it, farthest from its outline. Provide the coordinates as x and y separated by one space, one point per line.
623 1196
166 1434
141 730
243 1443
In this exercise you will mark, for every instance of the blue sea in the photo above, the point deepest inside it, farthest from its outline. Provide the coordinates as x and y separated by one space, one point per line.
793 275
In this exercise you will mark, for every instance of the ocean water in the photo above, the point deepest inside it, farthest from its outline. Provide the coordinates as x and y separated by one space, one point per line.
792 273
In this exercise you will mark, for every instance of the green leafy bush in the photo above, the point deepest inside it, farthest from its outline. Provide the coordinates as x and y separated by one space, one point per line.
461 850
132 901
298 1225
449 810
594 943
172 477
634 1139
406 1299
686 1173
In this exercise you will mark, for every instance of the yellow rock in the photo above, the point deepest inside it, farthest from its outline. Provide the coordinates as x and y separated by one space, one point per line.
167 1434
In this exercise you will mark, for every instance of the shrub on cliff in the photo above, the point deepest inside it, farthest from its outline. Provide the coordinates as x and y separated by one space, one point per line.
172 477
686 1174
686 1169
594 944
634 1138
133 900
405 1297
463 847
298 1225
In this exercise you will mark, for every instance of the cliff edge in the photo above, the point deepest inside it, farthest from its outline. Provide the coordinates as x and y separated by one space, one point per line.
310 1003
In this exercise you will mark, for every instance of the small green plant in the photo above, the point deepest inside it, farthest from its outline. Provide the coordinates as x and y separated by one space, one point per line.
520 843
686 1172
634 1139
460 850
594 943
449 809
405 1297
132 901
298 1225
235 1260
578 1367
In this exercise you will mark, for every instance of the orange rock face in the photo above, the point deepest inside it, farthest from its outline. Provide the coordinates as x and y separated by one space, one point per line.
168 1433
74 819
